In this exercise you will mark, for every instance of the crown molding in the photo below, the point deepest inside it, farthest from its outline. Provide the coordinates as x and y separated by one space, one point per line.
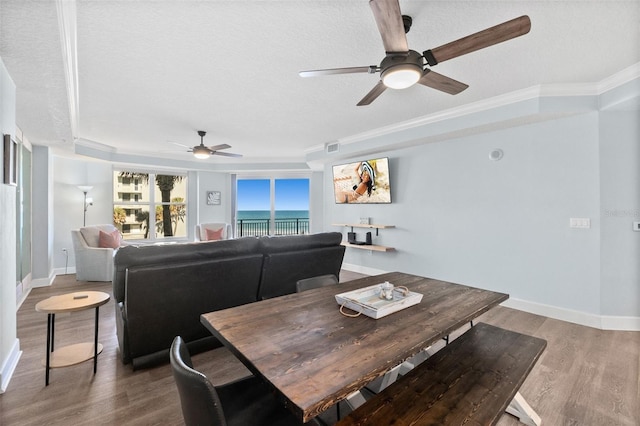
67 25
618 79
535 92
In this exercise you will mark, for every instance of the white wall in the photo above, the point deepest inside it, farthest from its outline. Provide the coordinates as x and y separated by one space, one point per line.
211 181
504 225
9 343
620 189
42 216
68 203
316 203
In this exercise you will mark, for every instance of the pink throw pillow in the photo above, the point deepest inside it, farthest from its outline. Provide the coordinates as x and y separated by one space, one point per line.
214 234
109 240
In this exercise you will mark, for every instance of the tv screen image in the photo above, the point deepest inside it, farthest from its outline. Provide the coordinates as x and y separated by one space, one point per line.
361 182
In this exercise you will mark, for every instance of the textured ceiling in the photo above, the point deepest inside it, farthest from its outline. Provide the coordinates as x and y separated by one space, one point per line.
154 72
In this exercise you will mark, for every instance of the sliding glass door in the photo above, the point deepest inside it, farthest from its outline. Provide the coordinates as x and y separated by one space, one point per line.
272 206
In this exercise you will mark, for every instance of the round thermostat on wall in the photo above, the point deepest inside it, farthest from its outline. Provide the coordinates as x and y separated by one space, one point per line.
496 154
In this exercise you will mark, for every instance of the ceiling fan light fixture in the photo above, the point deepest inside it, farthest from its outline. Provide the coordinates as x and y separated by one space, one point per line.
401 76
201 152
401 70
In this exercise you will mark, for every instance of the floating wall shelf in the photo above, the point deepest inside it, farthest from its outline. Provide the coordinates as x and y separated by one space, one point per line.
367 247
369 226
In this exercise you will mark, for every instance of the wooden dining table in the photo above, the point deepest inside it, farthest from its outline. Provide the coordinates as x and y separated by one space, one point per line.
314 356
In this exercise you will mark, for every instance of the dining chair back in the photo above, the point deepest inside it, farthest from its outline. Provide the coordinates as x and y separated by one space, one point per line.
247 401
198 398
316 282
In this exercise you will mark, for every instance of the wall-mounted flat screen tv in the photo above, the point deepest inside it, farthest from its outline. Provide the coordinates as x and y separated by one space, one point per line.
361 182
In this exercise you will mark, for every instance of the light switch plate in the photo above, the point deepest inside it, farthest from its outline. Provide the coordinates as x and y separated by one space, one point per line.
636 226
580 222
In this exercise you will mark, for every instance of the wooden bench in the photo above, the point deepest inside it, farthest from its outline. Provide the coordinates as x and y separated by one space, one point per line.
471 381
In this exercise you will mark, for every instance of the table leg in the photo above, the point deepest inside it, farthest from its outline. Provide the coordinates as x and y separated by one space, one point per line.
50 318
95 342
523 411
53 329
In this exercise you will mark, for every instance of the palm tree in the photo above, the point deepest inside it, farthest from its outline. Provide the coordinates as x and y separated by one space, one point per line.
165 184
178 212
119 217
143 217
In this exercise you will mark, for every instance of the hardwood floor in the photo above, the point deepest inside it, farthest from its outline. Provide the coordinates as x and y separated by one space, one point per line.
585 377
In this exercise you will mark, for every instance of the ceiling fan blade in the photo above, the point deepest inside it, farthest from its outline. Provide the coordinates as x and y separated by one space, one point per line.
441 82
372 69
227 154
485 38
373 94
389 19
218 147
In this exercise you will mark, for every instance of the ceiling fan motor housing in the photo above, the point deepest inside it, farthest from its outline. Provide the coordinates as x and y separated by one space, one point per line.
400 70
201 151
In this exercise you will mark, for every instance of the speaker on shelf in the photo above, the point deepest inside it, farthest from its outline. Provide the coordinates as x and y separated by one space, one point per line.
368 239
351 237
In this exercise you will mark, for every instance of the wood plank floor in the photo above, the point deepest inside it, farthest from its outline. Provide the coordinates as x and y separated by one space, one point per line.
585 377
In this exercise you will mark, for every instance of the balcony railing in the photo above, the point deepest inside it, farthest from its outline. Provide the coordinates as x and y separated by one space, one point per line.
284 226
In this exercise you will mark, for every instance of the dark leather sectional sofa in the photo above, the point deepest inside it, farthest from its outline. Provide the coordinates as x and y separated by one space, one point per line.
161 290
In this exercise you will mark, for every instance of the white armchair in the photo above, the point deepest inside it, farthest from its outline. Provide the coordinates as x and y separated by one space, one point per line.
201 231
93 263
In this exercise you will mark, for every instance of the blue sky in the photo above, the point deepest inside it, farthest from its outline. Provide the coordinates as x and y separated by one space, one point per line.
291 194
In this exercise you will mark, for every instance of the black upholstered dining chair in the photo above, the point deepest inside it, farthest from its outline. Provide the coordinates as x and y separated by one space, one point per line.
247 401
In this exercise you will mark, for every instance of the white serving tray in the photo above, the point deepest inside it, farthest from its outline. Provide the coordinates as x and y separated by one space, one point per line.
367 301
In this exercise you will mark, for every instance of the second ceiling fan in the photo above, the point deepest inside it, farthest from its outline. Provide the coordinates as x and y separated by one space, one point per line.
202 151
402 68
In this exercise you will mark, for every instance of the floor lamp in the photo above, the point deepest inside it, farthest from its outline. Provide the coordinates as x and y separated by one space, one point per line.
87 201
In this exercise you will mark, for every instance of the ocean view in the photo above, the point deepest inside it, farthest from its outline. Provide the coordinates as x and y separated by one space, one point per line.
257 222
280 214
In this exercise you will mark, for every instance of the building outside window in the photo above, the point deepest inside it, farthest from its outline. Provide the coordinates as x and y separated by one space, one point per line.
150 206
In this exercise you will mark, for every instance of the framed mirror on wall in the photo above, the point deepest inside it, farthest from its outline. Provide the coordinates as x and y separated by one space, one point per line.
10 156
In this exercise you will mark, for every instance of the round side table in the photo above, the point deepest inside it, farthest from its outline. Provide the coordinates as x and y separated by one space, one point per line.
80 352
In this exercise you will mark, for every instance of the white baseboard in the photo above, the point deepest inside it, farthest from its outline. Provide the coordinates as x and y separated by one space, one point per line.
603 322
362 269
65 271
22 290
43 282
9 365
610 322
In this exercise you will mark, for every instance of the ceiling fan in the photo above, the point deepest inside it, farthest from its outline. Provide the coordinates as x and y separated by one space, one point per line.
402 68
203 152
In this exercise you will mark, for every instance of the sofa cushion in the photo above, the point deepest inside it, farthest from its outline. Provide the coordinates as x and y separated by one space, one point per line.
289 243
202 230
313 255
214 234
279 277
91 234
109 239
164 301
128 256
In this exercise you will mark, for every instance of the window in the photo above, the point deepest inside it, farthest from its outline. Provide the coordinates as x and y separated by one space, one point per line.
272 206
150 206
